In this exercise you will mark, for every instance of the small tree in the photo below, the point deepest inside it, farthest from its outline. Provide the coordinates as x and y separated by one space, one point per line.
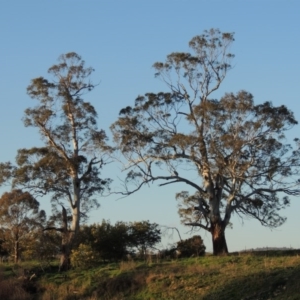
108 241
111 241
144 235
19 219
68 166
45 245
192 246
230 152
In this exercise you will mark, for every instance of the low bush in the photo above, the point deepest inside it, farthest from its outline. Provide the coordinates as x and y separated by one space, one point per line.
84 257
191 247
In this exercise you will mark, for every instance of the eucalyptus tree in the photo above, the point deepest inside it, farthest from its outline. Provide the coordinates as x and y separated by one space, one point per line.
67 167
230 152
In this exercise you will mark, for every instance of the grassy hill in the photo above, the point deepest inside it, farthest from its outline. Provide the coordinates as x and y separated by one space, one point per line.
257 275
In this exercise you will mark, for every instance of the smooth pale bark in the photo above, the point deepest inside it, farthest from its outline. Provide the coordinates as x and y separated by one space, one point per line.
68 237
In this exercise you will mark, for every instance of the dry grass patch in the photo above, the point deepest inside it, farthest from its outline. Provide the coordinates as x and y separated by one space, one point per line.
129 265
12 289
247 276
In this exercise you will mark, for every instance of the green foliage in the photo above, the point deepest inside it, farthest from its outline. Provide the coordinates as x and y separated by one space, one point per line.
109 242
44 246
84 257
113 242
144 235
20 219
6 170
72 155
191 247
258 275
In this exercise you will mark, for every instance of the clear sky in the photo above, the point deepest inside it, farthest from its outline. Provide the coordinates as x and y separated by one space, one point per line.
122 40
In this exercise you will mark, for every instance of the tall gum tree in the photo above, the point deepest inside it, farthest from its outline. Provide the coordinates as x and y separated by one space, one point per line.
68 166
235 148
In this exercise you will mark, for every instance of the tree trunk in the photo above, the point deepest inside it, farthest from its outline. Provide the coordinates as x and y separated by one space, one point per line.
64 264
16 254
68 237
66 243
218 239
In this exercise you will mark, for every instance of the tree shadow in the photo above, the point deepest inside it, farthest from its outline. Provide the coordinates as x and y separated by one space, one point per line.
277 283
119 287
269 252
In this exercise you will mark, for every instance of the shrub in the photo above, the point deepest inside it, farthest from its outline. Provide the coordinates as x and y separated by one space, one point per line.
191 247
84 256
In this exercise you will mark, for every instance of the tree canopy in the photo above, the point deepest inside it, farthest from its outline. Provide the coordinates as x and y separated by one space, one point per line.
231 152
191 247
144 235
114 242
20 217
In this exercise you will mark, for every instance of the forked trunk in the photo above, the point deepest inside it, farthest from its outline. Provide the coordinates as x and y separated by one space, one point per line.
218 239
66 242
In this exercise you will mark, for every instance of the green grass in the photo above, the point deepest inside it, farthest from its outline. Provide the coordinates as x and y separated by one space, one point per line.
264 275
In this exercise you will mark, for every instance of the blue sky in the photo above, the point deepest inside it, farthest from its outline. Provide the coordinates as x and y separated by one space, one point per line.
122 40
